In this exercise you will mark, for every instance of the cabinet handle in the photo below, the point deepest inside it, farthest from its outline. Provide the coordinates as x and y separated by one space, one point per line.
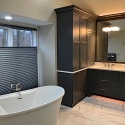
103 80
103 89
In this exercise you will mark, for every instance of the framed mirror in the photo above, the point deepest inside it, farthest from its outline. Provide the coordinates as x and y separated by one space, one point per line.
110 42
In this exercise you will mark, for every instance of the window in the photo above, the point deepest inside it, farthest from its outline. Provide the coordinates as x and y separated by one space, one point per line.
22 38
3 37
12 37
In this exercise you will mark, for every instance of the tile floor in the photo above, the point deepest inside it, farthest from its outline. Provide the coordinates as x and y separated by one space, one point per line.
94 110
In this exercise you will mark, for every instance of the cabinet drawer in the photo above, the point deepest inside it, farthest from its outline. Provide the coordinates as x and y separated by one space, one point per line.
122 74
104 80
105 90
121 93
105 72
122 83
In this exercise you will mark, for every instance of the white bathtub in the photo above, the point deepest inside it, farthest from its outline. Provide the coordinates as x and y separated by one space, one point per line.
39 106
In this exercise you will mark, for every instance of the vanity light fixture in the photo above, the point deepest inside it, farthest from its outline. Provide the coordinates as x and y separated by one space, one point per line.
108 29
8 17
115 28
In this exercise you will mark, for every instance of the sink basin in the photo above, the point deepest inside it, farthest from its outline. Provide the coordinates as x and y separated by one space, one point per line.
107 67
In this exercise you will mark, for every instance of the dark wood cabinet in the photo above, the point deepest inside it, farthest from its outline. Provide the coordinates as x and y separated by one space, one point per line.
90 48
75 35
105 90
74 85
106 83
68 39
75 38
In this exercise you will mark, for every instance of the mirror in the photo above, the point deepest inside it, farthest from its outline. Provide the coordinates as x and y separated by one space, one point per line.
110 46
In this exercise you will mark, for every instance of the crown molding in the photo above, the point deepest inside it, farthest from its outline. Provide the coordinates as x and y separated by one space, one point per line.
111 17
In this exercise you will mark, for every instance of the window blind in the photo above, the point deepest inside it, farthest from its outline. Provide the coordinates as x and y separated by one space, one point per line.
20 65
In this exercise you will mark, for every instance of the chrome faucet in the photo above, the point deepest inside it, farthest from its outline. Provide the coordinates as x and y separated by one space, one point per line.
15 87
18 87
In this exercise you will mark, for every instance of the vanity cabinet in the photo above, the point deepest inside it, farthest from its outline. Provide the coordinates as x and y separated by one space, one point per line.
104 82
107 83
122 86
75 86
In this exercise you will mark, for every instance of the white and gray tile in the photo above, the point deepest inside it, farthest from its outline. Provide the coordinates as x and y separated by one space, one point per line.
95 110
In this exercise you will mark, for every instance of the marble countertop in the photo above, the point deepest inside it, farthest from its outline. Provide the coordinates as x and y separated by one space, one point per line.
101 66
121 69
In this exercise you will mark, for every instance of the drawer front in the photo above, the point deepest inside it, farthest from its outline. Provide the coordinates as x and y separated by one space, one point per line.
105 90
122 83
122 75
104 80
105 72
122 93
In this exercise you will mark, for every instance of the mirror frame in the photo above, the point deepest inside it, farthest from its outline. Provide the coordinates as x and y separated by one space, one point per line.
115 16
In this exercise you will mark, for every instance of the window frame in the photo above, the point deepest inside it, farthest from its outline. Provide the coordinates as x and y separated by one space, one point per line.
10 28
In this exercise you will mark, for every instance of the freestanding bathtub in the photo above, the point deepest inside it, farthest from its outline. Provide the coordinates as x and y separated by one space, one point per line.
39 106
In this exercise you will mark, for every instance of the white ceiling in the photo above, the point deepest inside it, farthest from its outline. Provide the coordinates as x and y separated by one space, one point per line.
101 7
22 19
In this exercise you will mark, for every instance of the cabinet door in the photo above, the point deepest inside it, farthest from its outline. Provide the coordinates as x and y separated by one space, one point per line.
84 83
77 86
65 80
83 42
90 48
76 26
83 52
76 41
76 55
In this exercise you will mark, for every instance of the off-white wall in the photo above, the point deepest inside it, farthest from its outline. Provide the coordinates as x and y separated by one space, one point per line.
47 53
116 44
41 10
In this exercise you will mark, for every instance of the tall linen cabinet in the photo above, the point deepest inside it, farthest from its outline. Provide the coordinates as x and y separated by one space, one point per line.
75 51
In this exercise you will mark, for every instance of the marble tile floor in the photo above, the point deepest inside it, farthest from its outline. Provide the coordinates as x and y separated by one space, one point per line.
94 110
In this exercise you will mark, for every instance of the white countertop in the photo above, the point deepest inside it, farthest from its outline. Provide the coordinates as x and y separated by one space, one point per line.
102 67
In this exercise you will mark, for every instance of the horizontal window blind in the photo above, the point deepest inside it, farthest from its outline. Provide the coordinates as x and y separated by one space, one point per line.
20 65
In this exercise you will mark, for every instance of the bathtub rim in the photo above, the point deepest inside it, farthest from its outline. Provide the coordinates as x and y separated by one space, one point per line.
35 108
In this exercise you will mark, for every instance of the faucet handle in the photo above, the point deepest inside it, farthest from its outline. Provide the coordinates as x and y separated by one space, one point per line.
13 86
18 86
112 65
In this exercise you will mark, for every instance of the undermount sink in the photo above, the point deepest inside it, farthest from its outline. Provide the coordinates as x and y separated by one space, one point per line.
107 67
